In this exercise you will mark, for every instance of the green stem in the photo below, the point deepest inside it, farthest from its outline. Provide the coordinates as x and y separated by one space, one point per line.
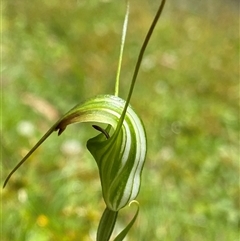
106 225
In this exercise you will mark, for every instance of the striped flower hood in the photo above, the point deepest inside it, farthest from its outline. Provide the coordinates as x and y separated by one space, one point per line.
120 156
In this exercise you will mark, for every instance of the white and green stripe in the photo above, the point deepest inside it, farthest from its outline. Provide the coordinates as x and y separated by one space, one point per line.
121 157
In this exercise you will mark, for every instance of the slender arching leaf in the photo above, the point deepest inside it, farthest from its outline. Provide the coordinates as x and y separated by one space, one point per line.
125 231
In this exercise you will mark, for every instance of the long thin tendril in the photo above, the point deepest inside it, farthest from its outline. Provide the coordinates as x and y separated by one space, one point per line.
139 61
124 31
49 132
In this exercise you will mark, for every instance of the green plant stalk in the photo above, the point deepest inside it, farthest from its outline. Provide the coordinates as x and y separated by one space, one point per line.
108 221
106 224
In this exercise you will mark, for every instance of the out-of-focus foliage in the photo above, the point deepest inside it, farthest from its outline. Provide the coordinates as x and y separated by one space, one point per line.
58 53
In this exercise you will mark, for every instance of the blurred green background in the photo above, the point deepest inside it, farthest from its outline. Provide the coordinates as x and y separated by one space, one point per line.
56 54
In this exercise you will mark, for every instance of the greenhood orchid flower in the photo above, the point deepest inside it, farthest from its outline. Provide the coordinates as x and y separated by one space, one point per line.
119 149
120 157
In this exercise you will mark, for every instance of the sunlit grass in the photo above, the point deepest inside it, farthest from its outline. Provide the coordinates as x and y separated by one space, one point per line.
186 95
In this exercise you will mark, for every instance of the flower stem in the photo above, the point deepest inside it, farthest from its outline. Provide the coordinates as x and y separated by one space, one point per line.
106 225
